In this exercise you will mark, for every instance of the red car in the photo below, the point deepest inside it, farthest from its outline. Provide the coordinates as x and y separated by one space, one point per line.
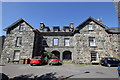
37 60
54 60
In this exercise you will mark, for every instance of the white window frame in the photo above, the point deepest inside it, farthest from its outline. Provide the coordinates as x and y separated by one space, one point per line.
67 42
55 29
16 56
90 27
96 57
67 29
55 42
45 29
92 41
19 41
22 28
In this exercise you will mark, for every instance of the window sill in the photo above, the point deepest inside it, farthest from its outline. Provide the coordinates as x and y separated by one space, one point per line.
93 46
18 46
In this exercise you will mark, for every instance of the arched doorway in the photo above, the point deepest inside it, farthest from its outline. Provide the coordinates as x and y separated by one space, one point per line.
67 55
56 53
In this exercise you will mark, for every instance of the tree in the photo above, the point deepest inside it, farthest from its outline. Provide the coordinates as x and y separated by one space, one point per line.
46 55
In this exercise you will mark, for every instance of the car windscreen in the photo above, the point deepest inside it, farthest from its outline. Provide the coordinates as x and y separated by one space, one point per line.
36 58
54 58
113 59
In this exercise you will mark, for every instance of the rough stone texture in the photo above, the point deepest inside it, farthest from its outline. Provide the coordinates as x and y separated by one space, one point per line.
2 38
107 43
61 48
26 49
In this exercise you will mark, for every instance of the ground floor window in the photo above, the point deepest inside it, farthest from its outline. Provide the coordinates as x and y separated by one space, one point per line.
16 56
94 57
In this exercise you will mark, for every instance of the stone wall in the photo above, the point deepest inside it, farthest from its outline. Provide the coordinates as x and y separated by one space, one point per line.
49 48
106 45
26 49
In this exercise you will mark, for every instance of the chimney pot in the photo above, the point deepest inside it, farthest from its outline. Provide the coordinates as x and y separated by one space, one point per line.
42 25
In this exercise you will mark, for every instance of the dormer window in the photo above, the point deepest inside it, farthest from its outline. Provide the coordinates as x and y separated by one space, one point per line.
22 28
56 28
45 30
67 29
90 27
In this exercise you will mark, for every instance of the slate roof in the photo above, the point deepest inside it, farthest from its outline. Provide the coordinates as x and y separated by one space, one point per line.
91 18
16 22
108 29
114 30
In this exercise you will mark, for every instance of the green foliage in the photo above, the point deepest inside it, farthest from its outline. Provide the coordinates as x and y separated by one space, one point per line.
46 55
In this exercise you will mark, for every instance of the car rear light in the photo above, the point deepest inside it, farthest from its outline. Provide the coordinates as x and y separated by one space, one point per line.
105 60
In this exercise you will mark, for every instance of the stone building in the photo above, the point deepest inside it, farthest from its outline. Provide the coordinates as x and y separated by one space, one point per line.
2 38
87 43
117 6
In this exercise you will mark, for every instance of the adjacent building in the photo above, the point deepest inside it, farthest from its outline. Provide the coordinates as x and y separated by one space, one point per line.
117 6
2 38
86 43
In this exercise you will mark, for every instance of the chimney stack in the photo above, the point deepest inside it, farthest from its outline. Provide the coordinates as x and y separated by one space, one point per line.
99 20
42 25
71 26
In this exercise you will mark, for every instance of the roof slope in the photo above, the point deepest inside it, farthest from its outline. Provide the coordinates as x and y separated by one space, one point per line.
16 22
91 19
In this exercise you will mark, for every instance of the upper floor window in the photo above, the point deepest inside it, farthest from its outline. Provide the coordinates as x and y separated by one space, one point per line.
90 27
92 41
44 42
55 42
19 41
67 42
22 28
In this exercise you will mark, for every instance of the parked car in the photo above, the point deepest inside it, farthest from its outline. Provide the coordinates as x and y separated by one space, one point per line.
54 60
119 70
37 60
110 61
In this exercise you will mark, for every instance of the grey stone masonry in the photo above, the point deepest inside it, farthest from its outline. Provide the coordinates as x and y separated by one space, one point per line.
87 43
27 42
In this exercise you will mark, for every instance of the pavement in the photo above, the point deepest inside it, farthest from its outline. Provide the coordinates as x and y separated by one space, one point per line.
65 71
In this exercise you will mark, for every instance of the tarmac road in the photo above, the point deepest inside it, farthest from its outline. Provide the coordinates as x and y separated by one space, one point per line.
63 71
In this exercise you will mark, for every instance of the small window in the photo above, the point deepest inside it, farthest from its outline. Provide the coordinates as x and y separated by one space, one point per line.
55 29
45 30
55 42
16 56
19 41
92 41
67 29
67 42
90 27
22 28
44 42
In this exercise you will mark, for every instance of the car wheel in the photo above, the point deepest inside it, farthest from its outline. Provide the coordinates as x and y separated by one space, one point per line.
31 64
109 65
